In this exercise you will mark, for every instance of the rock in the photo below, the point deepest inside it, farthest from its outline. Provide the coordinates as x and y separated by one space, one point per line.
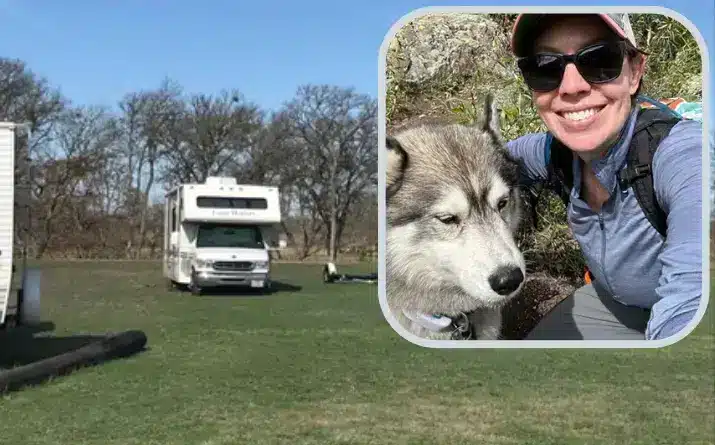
442 65
435 48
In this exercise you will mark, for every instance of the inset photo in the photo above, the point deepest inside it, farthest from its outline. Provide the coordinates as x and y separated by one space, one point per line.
543 178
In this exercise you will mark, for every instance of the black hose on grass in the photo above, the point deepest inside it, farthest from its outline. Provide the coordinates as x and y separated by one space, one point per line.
113 346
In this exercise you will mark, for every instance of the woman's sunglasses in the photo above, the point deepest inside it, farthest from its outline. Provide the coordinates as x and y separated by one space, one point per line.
598 63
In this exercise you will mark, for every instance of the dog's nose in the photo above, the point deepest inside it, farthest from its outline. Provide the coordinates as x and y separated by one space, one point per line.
506 280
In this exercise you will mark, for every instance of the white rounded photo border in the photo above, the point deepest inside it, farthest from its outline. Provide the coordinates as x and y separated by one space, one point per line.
382 163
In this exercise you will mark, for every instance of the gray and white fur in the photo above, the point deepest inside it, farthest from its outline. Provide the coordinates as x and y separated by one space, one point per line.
453 206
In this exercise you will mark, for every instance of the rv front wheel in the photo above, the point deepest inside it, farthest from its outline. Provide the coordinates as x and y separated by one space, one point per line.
194 288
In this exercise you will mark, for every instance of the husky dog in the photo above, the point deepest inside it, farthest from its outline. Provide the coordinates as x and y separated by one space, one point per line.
453 206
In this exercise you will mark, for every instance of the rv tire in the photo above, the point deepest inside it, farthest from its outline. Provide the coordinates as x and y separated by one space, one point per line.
194 288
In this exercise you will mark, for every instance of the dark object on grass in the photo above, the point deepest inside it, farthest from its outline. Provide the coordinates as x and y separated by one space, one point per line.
110 347
331 275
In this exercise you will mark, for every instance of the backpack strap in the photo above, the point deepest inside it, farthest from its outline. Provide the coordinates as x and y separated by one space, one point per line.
555 179
651 127
559 167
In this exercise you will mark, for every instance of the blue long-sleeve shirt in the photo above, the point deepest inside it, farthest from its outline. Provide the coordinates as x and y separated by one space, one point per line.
625 253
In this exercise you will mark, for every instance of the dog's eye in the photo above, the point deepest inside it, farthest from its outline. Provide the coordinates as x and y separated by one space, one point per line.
448 219
502 203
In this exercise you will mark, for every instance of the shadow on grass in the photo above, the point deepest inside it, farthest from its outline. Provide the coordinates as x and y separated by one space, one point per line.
246 291
20 346
29 355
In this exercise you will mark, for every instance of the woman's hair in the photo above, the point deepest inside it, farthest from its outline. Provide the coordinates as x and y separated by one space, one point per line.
634 54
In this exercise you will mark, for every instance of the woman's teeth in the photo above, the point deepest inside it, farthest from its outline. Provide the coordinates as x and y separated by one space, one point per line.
581 115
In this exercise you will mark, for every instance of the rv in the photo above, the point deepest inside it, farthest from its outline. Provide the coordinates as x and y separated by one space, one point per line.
220 233
19 283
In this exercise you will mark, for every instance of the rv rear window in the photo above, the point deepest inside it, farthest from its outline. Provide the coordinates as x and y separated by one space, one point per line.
231 203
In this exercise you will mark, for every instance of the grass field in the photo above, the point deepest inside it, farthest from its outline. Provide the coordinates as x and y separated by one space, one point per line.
318 364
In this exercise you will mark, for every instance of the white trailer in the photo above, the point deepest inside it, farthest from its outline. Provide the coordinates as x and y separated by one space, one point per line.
19 284
220 233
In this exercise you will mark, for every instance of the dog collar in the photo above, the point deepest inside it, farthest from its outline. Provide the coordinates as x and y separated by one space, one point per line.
459 327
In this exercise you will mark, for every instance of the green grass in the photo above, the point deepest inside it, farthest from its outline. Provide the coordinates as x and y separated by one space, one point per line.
321 366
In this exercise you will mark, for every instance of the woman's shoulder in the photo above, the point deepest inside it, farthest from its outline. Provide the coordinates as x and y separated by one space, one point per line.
677 163
530 151
683 144
528 139
528 145
687 128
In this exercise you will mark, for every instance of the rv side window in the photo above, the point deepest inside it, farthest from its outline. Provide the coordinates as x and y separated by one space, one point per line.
231 203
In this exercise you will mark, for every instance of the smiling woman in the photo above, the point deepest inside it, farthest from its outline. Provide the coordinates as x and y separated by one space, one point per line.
585 74
583 85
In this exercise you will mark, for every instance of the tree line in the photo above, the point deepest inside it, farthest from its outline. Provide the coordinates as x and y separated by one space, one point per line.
97 174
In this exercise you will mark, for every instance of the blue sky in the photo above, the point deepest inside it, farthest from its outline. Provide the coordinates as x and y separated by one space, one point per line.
96 52
265 49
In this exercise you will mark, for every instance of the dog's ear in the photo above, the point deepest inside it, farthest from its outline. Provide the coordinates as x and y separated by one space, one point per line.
490 119
397 162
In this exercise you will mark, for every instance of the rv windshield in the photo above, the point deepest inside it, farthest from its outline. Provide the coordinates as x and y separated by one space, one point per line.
227 235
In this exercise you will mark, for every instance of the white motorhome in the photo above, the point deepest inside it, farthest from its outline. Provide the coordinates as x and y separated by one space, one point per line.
19 284
220 233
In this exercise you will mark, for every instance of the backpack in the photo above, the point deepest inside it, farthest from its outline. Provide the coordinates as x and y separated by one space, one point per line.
652 125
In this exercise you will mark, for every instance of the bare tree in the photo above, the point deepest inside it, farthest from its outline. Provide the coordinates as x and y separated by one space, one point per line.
209 136
94 171
337 130
29 99
147 121
81 141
